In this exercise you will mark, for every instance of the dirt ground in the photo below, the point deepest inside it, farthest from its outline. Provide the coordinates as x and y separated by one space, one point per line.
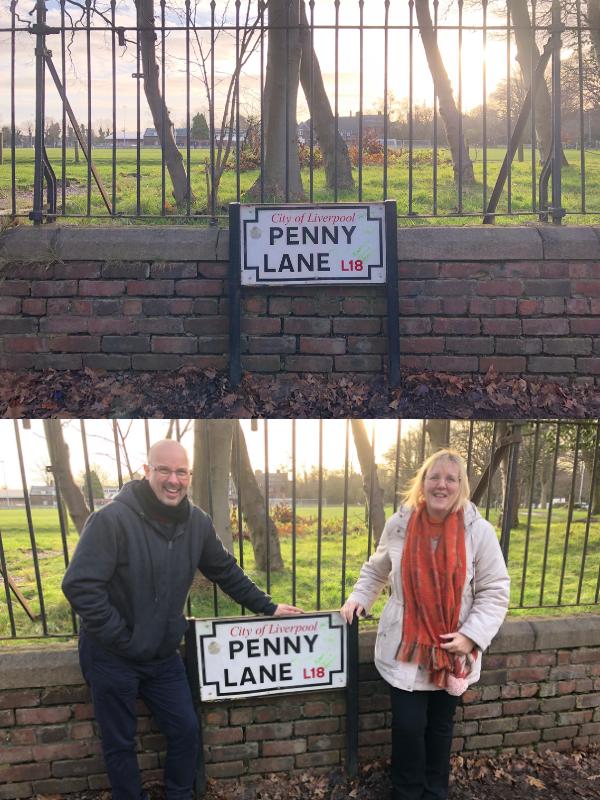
533 776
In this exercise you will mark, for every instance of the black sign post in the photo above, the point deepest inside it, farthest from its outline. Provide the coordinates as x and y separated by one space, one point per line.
352 701
393 305
235 300
191 668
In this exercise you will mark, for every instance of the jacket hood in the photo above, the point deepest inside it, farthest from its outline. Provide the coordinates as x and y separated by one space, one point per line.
127 496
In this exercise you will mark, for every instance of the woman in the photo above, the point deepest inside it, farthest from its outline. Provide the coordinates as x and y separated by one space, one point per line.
449 595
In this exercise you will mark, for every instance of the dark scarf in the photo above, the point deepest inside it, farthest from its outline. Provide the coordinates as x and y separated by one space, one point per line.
152 507
432 584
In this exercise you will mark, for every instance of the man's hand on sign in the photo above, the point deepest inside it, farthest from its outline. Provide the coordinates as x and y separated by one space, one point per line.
349 609
283 609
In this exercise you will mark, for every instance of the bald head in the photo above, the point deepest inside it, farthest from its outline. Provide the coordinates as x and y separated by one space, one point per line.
167 471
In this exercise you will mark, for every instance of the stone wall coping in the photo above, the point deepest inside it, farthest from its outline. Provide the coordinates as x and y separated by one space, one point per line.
196 243
28 667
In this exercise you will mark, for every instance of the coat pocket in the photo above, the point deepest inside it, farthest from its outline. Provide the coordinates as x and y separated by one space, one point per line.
389 631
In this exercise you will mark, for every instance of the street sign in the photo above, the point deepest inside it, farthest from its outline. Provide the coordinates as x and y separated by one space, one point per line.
249 656
328 244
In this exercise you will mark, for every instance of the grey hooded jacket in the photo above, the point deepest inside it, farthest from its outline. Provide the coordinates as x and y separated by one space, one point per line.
484 601
130 577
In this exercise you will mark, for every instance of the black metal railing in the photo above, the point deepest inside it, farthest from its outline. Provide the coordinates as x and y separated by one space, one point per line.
323 505
162 115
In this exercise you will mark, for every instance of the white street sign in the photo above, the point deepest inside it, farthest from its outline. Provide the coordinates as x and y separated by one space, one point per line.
328 244
266 655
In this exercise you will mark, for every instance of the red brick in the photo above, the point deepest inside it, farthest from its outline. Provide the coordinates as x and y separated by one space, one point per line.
550 364
588 366
53 752
58 361
215 270
125 344
356 305
367 344
70 305
413 270
578 305
102 288
272 344
309 363
456 326
554 326
230 769
159 325
518 346
34 307
416 325
587 288
494 288
357 326
119 326
154 361
219 362
255 305
315 326
474 269
422 344
109 362
547 287
357 363
20 698
25 344
529 307
11 305
133 307
200 288
590 325
156 288
75 344
18 325
78 269
318 346
442 288
284 748
20 288
25 772
313 760
469 344
501 326
454 363
568 346
521 269
528 674
263 363
53 288
306 727
204 326
455 305
173 344
280 306
274 764
482 711
260 325
206 306
174 269
126 269
553 305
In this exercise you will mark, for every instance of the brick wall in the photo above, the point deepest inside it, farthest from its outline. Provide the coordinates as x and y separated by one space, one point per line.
523 300
540 688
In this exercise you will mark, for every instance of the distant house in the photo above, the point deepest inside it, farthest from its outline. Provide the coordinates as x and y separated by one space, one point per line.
279 484
123 139
42 496
151 137
348 127
11 497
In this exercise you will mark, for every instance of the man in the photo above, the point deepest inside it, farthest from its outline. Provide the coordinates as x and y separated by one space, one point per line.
128 581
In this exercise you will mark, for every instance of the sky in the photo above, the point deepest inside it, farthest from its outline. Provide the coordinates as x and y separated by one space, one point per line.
102 452
346 56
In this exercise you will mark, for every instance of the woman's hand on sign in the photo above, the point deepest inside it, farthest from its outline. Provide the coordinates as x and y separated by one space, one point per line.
457 643
283 609
349 609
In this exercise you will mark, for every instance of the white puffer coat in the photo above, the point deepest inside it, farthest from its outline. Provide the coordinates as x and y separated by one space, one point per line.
484 601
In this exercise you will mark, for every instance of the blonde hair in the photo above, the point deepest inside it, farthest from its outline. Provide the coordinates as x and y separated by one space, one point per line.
414 494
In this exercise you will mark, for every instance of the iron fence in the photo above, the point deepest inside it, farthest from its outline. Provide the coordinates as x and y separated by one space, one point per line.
324 504
169 113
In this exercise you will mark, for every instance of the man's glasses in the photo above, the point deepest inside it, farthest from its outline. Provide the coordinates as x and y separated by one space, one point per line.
165 472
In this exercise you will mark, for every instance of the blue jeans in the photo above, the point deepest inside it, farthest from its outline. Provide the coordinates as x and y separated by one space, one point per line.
116 683
422 724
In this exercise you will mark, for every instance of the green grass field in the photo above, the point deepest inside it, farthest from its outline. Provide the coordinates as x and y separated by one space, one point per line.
18 555
372 183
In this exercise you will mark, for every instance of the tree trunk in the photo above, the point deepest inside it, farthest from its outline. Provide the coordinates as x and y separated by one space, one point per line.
593 20
253 506
588 460
281 179
505 430
527 51
70 493
338 175
210 485
443 88
157 105
368 467
439 433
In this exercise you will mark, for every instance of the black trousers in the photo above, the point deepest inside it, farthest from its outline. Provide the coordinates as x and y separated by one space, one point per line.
422 724
116 683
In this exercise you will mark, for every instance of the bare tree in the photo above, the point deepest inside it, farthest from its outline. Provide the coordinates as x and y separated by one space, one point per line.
70 493
443 88
371 486
252 506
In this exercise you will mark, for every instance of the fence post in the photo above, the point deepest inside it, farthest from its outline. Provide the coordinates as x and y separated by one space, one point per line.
37 213
558 211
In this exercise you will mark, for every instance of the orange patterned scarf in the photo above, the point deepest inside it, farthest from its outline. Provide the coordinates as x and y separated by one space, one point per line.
432 582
